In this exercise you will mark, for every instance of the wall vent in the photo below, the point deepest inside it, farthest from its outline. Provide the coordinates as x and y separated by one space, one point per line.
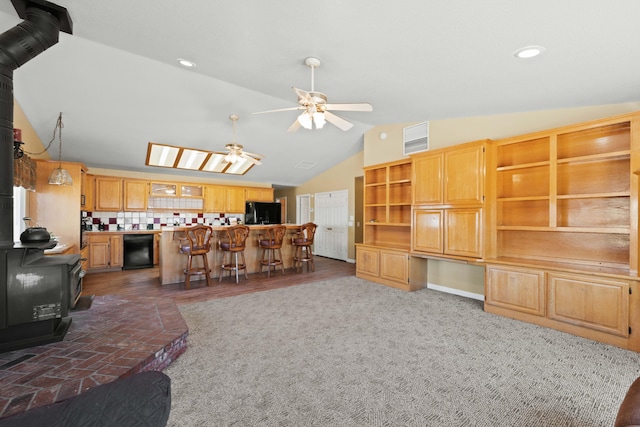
415 138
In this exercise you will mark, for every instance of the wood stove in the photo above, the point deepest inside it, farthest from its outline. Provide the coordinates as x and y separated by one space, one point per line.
40 291
36 291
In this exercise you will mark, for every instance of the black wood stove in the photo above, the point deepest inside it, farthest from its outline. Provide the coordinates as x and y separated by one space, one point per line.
36 291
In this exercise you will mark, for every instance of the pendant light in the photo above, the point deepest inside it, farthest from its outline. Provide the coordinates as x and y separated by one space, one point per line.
59 176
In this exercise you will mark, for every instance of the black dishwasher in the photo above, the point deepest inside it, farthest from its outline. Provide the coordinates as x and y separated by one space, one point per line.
138 251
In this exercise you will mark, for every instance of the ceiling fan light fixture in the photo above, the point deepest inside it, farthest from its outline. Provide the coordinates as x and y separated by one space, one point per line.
318 119
305 120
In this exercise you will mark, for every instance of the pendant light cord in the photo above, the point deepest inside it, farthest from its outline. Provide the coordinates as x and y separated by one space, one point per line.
58 128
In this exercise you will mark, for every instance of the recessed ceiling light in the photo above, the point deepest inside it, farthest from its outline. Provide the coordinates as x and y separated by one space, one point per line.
186 63
528 52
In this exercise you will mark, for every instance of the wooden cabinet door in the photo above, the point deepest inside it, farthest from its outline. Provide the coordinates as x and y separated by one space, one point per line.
116 251
462 234
516 289
367 260
427 231
259 194
235 200
108 195
87 190
427 179
98 252
464 176
135 195
394 265
590 302
216 198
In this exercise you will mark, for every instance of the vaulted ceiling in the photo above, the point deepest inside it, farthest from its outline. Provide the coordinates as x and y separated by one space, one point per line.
118 84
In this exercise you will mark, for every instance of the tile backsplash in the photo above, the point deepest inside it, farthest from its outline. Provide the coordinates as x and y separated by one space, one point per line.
114 221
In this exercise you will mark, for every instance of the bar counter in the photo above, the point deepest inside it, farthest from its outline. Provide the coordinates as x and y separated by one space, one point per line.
173 262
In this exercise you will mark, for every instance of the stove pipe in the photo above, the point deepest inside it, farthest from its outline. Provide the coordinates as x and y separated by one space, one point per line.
42 24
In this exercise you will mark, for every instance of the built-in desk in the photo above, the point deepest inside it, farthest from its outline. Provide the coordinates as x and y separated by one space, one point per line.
172 262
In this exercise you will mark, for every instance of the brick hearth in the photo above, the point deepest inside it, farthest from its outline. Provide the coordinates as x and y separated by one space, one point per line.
117 337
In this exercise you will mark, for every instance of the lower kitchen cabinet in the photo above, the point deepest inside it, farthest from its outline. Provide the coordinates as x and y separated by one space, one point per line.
588 305
105 251
391 267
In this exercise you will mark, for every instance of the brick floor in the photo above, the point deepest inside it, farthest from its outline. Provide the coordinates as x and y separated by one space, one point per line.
117 337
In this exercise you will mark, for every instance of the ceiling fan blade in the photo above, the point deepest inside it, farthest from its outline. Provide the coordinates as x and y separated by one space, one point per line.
303 94
251 159
281 109
362 106
338 121
295 126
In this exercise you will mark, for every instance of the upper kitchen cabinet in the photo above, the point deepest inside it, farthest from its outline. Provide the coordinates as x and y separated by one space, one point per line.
57 207
257 194
109 192
175 189
135 194
227 199
87 192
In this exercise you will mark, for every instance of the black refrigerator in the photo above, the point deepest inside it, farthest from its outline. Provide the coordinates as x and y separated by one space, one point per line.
262 213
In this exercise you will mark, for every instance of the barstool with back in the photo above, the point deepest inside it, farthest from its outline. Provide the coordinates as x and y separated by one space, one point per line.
196 243
232 241
271 244
302 242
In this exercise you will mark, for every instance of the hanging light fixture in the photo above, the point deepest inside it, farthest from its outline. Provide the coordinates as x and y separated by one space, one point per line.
59 176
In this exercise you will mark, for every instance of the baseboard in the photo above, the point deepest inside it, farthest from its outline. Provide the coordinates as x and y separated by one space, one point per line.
350 261
453 291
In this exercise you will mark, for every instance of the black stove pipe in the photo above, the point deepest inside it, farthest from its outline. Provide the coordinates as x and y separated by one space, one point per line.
42 24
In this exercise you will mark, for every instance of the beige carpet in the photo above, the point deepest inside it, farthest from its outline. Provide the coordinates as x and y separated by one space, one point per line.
349 352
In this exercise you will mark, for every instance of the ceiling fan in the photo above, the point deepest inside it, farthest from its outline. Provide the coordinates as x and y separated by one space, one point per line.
315 109
236 151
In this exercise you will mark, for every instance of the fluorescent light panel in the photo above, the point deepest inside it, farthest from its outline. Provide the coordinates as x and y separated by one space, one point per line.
193 159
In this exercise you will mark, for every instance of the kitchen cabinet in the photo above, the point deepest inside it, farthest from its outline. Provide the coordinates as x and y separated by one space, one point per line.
109 193
105 251
449 216
87 190
224 199
135 195
175 189
256 194
84 258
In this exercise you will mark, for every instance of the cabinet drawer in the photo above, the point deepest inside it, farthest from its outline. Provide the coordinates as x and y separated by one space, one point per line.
595 303
517 289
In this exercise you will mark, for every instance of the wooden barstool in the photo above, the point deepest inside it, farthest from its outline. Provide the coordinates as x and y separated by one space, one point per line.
196 243
302 242
232 241
271 242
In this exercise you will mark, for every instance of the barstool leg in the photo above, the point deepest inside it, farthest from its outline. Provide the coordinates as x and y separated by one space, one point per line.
244 266
187 279
281 261
207 272
310 256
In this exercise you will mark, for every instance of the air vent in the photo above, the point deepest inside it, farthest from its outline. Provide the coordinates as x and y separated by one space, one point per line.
415 138
305 164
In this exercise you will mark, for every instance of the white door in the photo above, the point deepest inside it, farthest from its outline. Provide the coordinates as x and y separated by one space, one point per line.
303 209
332 218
